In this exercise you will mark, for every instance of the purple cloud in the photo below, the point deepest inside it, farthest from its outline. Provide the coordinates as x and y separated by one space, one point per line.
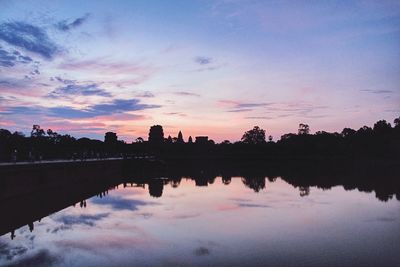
76 89
29 37
203 60
64 25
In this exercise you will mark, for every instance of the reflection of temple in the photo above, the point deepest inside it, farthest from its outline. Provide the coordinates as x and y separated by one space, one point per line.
156 187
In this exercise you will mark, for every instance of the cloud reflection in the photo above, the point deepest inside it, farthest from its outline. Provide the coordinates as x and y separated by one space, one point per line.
119 203
84 219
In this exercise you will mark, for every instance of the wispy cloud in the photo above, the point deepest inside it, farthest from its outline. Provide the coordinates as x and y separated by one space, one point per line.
145 94
201 251
259 118
21 110
61 80
85 219
10 59
114 107
176 114
11 251
251 205
377 91
76 89
237 106
122 105
203 60
184 93
240 110
29 37
119 203
252 105
106 67
42 257
66 25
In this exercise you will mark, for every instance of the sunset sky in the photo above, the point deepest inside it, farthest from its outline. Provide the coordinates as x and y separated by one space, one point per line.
213 68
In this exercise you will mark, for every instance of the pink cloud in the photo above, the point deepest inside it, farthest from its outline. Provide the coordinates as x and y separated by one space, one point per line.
107 67
225 103
6 123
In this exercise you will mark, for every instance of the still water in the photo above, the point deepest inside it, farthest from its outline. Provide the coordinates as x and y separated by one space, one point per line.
226 223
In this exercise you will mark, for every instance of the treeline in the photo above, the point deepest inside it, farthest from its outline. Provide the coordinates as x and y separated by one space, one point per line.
380 141
45 145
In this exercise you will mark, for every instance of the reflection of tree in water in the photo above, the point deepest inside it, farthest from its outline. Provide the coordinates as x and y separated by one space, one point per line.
255 183
201 181
226 180
204 177
211 180
175 181
304 191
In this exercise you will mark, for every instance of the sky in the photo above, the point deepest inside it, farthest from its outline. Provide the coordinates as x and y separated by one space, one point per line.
213 68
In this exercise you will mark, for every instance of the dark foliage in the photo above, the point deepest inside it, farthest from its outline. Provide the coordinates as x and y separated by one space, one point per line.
381 141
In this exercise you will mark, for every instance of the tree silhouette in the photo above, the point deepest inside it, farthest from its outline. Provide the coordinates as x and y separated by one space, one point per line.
190 141
139 140
382 127
37 131
348 132
304 191
303 129
156 134
396 122
255 183
254 136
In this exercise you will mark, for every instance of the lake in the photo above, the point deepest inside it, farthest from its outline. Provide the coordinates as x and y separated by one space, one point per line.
231 221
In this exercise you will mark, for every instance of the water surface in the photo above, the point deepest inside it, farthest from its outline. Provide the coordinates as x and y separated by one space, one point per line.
233 222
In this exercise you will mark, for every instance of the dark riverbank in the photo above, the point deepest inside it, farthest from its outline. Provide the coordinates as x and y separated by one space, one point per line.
367 175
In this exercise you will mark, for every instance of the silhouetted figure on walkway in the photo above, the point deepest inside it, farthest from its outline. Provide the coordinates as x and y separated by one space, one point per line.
30 226
14 156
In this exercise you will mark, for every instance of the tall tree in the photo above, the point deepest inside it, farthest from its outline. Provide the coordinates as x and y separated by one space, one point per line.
37 131
304 129
396 122
348 132
254 136
382 127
